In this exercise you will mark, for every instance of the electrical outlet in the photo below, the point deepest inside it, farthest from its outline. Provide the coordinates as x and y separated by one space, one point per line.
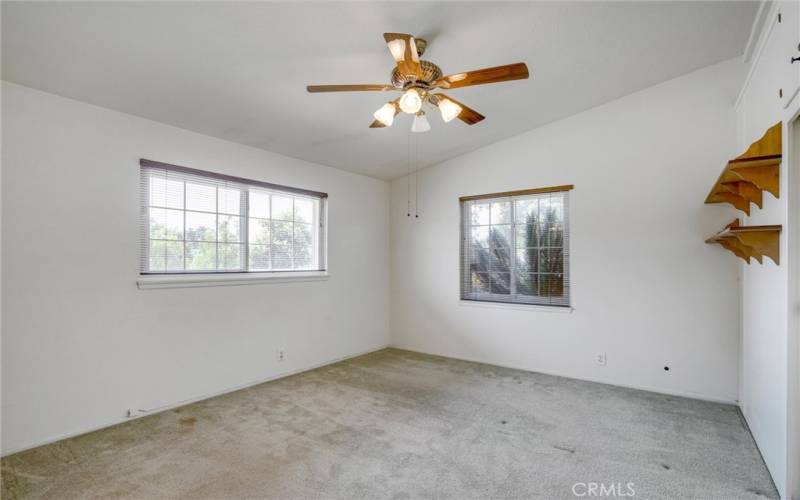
281 354
600 359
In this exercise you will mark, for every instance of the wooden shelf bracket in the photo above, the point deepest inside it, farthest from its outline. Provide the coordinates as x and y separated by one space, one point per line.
750 241
746 177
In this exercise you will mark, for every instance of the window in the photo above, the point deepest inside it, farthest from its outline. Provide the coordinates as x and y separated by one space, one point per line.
515 247
201 222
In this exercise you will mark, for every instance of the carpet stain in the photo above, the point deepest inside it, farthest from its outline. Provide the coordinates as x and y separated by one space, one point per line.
188 421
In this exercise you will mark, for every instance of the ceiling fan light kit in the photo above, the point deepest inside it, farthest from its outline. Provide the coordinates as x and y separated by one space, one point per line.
386 113
449 109
419 81
411 102
420 123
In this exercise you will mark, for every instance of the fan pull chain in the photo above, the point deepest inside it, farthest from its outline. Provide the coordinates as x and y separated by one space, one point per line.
408 177
416 178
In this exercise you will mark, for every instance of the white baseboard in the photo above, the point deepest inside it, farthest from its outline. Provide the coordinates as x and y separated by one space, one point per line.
690 395
189 401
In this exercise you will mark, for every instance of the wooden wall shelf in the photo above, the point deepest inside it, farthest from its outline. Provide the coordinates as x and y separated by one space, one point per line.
750 241
747 176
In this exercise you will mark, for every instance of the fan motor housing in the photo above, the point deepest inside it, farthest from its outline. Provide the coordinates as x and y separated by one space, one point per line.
430 72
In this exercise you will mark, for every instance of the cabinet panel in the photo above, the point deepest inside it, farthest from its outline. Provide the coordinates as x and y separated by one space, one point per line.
787 39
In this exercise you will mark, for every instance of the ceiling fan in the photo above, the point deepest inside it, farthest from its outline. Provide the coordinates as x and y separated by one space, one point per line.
420 80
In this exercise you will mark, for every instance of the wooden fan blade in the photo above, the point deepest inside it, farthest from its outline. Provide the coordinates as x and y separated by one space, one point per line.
467 114
377 124
518 71
349 88
404 50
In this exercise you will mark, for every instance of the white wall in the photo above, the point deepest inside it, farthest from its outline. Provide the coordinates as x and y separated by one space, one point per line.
81 343
646 288
766 315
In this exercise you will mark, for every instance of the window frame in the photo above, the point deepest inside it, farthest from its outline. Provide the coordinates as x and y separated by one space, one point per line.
513 298
213 178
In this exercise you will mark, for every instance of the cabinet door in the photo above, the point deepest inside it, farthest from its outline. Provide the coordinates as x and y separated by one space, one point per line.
786 36
794 44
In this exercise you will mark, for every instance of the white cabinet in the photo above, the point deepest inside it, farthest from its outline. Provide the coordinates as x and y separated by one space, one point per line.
784 44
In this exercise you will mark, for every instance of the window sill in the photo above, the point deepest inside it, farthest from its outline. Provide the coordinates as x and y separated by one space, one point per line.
200 280
518 306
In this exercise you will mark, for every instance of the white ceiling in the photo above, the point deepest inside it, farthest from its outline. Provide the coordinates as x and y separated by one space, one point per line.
239 70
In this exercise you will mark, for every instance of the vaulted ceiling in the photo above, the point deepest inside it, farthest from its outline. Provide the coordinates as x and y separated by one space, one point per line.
238 71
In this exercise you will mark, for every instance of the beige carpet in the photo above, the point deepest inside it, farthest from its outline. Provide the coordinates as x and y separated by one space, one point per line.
397 425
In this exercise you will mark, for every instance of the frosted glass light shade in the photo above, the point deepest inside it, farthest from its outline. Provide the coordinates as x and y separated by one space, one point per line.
449 109
398 49
386 114
411 102
420 123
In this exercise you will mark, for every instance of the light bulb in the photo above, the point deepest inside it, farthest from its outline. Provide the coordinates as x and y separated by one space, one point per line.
449 109
386 114
411 102
420 123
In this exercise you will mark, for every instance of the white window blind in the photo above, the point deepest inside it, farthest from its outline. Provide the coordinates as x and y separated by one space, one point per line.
515 247
200 222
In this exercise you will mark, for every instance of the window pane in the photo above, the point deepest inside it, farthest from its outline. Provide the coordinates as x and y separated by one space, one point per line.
479 214
158 223
201 256
480 283
500 260
158 256
501 212
303 256
501 283
480 236
527 234
551 222
282 207
500 236
258 204
528 284
303 234
174 255
551 285
480 259
229 228
281 257
165 192
551 260
201 226
282 233
281 245
201 197
166 224
526 209
230 201
259 258
258 231
552 235
303 210
230 256
527 260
